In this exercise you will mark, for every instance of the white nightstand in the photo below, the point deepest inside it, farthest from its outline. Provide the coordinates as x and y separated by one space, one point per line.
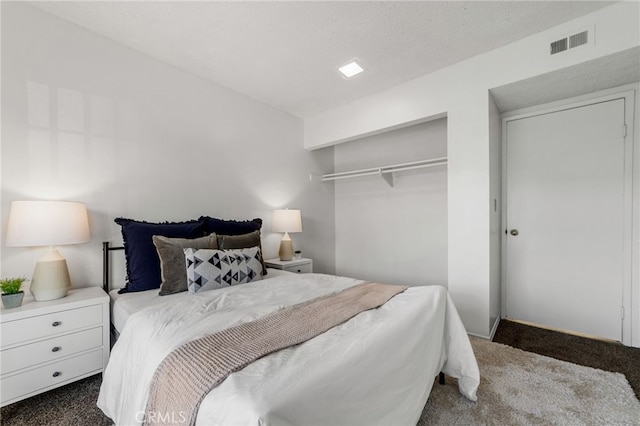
299 266
45 345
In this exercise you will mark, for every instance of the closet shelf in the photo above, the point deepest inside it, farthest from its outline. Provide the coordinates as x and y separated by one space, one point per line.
386 172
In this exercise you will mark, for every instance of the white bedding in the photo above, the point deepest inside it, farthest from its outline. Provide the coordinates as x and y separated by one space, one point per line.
126 304
377 368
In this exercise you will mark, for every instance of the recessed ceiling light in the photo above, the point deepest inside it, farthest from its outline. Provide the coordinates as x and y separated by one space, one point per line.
351 69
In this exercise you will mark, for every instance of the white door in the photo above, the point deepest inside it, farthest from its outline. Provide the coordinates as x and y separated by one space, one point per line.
565 217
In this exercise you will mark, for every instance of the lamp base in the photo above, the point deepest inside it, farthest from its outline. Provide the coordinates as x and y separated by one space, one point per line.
286 249
43 295
51 277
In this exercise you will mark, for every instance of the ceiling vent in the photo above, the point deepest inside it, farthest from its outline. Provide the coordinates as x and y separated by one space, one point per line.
579 39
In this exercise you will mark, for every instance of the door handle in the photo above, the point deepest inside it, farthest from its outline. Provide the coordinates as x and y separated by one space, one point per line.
514 232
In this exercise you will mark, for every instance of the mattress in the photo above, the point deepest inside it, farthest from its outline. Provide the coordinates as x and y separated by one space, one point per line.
126 304
376 369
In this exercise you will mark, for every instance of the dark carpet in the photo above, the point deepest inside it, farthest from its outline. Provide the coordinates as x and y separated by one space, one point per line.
75 404
69 405
599 354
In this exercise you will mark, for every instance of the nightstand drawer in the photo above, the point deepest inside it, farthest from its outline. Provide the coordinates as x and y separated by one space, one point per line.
49 350
50 375
300 269
26 329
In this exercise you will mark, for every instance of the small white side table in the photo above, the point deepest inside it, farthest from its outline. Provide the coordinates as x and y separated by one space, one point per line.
299 266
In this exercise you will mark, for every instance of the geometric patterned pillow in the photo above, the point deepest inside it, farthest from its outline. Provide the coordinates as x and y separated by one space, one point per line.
214 269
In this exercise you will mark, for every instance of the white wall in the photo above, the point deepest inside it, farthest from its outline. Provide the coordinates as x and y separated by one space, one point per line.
461 91
393 234
635 276
87 119
495 207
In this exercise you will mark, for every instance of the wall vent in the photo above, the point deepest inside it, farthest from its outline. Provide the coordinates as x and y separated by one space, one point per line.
571 42
578 39
558 46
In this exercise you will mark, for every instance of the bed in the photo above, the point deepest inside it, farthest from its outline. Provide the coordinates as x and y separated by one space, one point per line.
377 368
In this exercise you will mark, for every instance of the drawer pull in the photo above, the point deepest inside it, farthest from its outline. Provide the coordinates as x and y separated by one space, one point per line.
56 374
56 349
56 323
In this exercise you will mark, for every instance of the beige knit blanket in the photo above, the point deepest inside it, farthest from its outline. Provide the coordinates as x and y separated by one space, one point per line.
188 373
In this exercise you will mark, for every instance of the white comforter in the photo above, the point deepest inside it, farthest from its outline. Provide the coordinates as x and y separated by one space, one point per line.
377 368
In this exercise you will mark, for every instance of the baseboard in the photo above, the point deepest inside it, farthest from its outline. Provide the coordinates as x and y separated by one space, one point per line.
494 328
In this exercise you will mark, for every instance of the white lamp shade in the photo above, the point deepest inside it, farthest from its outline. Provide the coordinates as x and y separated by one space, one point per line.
287 221
47 223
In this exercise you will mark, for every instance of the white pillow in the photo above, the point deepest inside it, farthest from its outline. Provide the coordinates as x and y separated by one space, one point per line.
214 269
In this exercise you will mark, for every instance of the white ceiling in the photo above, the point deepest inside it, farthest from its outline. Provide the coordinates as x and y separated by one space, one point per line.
286 53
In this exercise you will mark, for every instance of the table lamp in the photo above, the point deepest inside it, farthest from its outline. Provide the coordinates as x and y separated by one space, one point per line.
48 223
286 221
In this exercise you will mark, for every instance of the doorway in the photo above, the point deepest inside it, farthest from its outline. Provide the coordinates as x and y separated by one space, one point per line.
568 217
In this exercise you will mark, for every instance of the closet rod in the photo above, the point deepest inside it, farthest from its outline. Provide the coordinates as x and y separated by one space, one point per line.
347 176
385 169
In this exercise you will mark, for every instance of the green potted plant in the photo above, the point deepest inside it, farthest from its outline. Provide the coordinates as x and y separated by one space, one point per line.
12 293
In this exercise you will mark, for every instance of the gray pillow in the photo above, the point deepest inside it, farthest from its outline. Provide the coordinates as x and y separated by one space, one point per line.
252 239
173 267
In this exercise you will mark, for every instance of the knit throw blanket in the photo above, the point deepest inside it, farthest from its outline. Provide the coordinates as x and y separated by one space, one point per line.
187 374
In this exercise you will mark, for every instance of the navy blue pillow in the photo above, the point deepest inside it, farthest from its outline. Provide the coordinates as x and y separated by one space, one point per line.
230 227
234 227
143 263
